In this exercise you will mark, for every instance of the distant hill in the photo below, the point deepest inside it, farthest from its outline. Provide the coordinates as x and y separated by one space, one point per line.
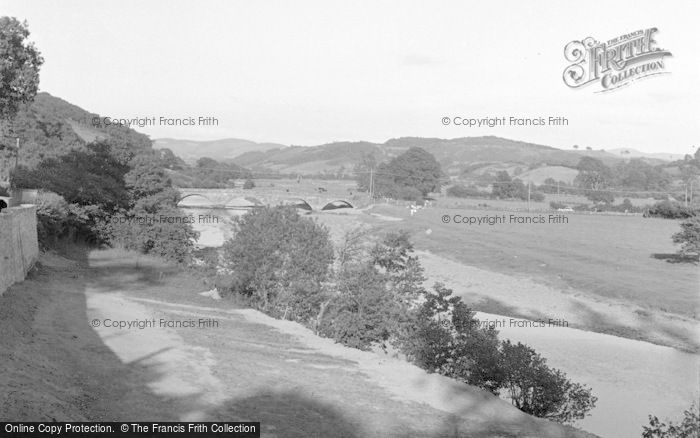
220 150
455 155
628 153
50 127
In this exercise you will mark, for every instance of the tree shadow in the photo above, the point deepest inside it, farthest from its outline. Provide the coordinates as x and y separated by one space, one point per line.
677 258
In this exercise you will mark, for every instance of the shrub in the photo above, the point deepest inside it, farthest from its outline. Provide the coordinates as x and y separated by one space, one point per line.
248 184
689 237
600 196
363 311
538 390
167 233
689 427
460 191
278 258
52 215
669 210
556 205
537 197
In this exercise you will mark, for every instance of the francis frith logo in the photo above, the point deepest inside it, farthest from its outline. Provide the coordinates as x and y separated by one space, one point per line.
614 63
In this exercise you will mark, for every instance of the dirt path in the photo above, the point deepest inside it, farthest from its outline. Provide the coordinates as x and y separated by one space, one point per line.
206 360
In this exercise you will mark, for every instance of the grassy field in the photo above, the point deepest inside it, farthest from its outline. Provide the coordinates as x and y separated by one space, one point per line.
627 258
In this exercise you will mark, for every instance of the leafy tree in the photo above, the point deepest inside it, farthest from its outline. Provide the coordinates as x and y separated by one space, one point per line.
364 311
601 196
640 175
689 427
20 62
689 237
593 174
94 177
507 188
411 175
277 256
147 176
539 390
248 184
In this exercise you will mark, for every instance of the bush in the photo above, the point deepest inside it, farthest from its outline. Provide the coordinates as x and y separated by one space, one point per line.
52 216
460 191
689 427
537 197
248 184
280 260
556 205
689 237
363 312
600 196
167 234
538 390
669 210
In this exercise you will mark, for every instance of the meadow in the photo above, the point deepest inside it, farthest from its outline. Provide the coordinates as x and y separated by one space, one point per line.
624 257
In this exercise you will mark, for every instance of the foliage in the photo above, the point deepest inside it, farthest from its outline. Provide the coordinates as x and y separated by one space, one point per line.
248 184
689 237
460 191
94 177
545 392
600 196
20 62
167 233
637 174
593 174
557 205
279 257
670 210
411 176
51 213
146 176
689 427
362 313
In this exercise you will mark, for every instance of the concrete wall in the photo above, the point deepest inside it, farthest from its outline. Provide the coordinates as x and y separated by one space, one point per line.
19 247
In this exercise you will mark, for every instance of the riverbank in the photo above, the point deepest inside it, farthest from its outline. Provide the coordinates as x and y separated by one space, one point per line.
64 365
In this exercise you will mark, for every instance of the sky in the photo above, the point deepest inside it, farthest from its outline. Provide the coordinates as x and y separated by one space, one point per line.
309 72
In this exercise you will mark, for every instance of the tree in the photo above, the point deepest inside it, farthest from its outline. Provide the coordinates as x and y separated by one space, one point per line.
280 260
600 196
411 175
593 174
507 188
689 237
538 390
248 184
93 177
20 62
147 176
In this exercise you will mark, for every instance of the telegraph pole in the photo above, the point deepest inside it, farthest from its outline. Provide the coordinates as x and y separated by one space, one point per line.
528 196
371 185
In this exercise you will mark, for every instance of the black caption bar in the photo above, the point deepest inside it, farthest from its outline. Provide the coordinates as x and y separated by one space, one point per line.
141 429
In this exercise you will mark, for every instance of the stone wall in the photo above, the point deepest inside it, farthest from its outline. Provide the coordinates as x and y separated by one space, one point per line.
19 247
